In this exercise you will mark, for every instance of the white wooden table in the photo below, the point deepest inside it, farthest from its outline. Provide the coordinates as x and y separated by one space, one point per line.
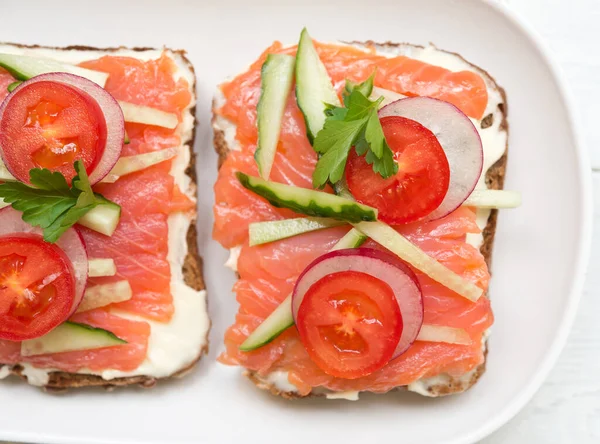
567 408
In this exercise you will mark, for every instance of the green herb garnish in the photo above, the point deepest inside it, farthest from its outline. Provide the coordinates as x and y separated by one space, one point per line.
356 124
50 203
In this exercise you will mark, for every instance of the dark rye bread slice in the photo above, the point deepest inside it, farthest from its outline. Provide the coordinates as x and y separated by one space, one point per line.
494 179
192 266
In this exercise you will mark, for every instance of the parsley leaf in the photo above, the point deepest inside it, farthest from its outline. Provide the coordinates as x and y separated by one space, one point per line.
50 203
357 124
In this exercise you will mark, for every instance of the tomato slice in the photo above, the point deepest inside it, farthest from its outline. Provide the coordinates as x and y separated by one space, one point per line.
422 180
37 286
350 323
51 125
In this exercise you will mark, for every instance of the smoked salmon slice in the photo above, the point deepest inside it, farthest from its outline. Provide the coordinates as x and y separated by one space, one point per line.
267 273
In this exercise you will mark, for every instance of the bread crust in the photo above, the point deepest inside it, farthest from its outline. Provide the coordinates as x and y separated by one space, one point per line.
192 266
494 179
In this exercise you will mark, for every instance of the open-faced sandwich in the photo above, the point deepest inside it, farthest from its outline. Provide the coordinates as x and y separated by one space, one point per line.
360 208
100 279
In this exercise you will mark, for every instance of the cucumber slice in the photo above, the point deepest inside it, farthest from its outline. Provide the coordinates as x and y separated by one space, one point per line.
389 238
281 319
131 164
493 199
13 86
104 218
265 232
126 139
3 204
276 323
148 116
309 202
277 74
101 267
105 294
70 336
25 67
314 90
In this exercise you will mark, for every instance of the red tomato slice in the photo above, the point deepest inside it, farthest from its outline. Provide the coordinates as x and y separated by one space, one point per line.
37 286
51 125
350 324
423 174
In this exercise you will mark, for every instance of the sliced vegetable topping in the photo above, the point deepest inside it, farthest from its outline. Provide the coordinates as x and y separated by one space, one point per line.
149 116
25 67
314 90
131 164
389 238
422 179
309 202
355 309
5 174
71 243
276 80
54 119
70 336
459 139
48 124
105 294
37 286
102 267
440 333
281 318
103 218
53 205
265 232
493 199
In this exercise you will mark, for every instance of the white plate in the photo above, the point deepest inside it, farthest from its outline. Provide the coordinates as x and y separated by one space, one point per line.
539 260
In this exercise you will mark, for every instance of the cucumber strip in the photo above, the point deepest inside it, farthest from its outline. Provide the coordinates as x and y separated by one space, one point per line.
389 238
104 218
25 67
126 140
281 318
149 116
101 267
309 202
10 88
440 333
131 164
277 74
493 199
265 232
276 323
3 204
105 294
70 336
314 90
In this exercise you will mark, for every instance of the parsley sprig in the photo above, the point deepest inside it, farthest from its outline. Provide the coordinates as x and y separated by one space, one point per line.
50 203
356 124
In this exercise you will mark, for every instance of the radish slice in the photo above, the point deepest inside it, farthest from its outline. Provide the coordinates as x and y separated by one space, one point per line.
459 139
440 333
493 199
113 116
380 265
71 242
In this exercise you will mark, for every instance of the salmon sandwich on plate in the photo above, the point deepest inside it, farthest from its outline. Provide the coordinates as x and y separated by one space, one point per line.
358 192
100 278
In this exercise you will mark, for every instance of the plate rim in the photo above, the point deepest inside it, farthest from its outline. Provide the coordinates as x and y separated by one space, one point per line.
584 242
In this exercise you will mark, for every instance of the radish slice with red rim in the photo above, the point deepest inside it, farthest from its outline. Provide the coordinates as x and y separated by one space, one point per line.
71 242
109 108
457 136
381 265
